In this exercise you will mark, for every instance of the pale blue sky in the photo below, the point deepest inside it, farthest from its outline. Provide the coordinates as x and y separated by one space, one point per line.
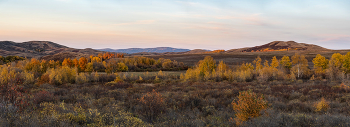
219 24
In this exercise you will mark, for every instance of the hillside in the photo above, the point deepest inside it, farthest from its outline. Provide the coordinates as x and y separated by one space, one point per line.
281 46
145 50
196 51
39 49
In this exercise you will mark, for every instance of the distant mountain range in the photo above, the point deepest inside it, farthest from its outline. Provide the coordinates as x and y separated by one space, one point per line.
53 51
145 50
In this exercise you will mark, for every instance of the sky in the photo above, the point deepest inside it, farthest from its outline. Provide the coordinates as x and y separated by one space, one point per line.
190 24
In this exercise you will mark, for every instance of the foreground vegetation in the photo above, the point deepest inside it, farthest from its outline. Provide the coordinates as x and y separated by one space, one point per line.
280 92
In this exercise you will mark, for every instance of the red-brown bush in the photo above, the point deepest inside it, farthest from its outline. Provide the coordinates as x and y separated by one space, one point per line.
152 104
43 96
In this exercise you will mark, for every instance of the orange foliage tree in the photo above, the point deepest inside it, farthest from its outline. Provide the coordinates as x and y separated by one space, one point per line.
44 65
216 51
34 66
67 62
82 63
107 56
75 62
249 105
52 64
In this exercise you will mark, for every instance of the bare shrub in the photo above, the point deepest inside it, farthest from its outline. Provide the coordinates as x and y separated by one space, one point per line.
152 104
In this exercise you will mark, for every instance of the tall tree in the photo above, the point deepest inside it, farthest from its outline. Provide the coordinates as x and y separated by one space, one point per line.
336 60
96 59
274 62
266 64
82 63
44 65
300 65
76 62
257 63
346 63
221 67
285 62
335 66
207 65
320 61
320 65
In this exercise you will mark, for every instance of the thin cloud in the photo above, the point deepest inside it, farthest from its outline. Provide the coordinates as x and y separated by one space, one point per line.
334 38
207 27
187 3
64 0
136 23
253 19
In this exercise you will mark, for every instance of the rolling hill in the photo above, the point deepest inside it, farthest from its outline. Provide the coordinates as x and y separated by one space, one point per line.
145 50
52 51
281 46
40 48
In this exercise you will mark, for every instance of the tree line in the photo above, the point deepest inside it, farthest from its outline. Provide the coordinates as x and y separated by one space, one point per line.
9 59
287 68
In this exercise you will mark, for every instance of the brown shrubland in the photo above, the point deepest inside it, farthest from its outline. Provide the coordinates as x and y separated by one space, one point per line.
278 92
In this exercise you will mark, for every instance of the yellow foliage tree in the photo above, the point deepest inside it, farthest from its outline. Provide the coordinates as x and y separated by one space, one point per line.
249 105
246 66
44 66
81 78
346 63
321 106
335 66
52 64
96 59
266 63
336 60
62 75
122 67
206 65
320 61
295 59
274 62
300 65
160 73
140 78
191 75
33 65
221 69
285 62
257 63
117 78
89 67
320 65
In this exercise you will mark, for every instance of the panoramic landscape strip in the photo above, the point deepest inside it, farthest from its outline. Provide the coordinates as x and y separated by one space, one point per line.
113 89
175 63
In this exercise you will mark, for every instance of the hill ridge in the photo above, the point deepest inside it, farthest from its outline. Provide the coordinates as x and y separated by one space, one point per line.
145 50
281 46
38 49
